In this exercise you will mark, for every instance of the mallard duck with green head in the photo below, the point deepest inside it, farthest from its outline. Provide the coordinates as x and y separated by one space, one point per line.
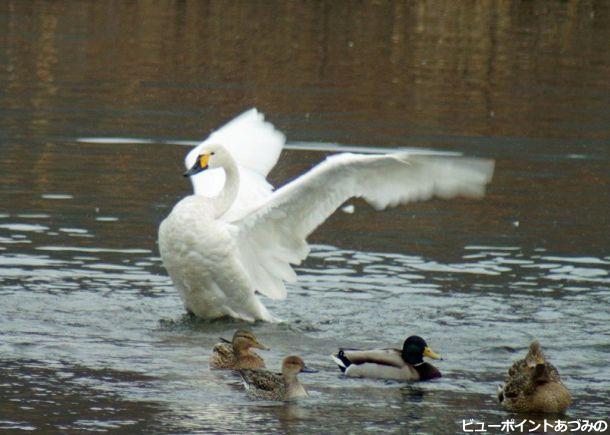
264 384
533 385
237 354
401 365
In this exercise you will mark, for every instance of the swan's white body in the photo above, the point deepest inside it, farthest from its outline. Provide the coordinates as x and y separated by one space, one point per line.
235 237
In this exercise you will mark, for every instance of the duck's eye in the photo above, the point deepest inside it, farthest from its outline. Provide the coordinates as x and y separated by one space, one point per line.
212 153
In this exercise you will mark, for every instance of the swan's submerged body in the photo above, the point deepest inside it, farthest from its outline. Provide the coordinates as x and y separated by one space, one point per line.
198 251
235 236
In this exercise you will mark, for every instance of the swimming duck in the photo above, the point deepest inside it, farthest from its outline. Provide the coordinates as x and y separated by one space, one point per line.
236 354
264 384
236 237
402 365
533 385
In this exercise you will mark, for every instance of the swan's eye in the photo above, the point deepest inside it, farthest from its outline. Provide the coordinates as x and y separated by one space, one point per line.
212 153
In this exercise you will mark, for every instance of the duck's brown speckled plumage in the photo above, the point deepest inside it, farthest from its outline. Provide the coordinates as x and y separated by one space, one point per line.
237 354
534 354
533 385
264 384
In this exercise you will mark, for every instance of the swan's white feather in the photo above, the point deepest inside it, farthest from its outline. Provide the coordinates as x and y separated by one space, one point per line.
273 236
255 145
219 259
199 254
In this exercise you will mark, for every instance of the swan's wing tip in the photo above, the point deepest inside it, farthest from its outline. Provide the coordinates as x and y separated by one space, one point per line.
273 236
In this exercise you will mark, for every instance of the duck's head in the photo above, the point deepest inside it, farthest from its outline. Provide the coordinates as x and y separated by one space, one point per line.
540 375
536 362
244 340
292 365
209 157
415 348
534 355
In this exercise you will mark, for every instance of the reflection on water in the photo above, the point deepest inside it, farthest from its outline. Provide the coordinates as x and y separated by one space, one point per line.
414 73
53 396
92 335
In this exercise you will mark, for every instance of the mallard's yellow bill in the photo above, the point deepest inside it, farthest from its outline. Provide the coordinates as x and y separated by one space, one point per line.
431 354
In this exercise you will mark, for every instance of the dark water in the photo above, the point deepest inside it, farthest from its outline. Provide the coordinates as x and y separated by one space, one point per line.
91 332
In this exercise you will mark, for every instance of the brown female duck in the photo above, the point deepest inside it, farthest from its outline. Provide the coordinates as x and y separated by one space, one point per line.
236 354
264 384
533 385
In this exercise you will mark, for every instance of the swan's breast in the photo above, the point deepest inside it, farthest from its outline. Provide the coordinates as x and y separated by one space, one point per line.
191 237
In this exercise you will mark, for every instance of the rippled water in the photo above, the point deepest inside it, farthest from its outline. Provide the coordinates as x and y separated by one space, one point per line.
92 334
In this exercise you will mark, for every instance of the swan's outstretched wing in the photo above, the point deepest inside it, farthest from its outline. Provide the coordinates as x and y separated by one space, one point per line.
255 145
273 235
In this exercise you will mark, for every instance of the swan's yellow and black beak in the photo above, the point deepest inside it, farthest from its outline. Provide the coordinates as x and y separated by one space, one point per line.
431 354
201 164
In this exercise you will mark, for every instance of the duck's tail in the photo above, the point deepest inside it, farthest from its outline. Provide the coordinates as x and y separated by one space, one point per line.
341 360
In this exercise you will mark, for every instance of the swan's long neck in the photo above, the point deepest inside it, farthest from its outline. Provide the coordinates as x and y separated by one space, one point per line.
227 195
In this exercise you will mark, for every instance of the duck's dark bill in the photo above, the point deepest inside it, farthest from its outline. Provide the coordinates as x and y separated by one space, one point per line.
262 346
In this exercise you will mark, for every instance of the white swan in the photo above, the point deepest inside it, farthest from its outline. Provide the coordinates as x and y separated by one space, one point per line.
235 236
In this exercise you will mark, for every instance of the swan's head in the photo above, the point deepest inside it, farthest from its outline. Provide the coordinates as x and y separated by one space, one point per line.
415 348
294 364
208 157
